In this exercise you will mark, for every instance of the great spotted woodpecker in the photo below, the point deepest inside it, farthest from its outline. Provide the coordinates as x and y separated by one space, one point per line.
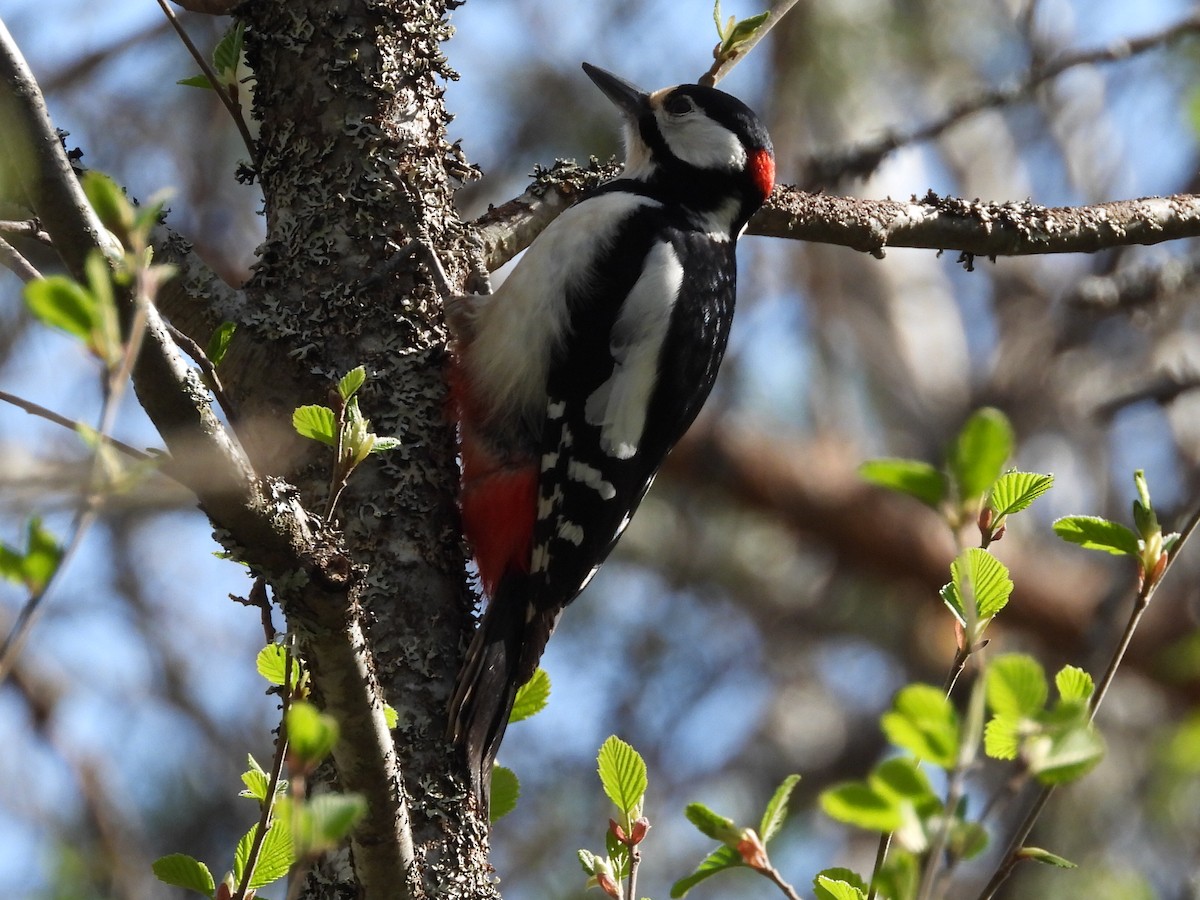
576 377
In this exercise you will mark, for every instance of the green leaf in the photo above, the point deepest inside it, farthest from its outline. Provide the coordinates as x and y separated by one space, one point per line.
1016 685
1064 756
1074 684
198 81
42 556
1002 737
720 859
311 734
272 665
276 856
218 344
1037 854
587 861
384 444
181 870
828 887
1015 491
106 340
227 54
924 722
351 382
324 821
1095 533
256 780
908 476
61 303
315 422
901 779
108 200
776 812
390 716
979 575
532 696
979 453
967 839
712 824
743 31
623 775
855 803
506 790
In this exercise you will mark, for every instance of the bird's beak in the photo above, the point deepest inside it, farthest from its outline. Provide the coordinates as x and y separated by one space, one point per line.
628 97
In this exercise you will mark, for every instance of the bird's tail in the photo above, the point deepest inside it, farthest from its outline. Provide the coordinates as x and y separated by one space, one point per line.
497 663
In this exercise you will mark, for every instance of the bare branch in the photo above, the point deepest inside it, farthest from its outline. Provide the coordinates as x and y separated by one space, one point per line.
973 228
976 228
861 161
12 260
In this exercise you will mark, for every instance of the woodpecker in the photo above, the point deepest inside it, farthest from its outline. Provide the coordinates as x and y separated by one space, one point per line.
575 378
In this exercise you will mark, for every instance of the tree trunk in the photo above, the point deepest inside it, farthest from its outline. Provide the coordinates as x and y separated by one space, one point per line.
354 163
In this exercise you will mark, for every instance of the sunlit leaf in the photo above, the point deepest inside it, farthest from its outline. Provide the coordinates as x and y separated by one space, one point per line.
181 870
1074 684
776 812
924 722
316 422
1037 854
720 859
908 476
532 696
1016 685
351 382
1095 533
1015 491
622 774
979 453
506 790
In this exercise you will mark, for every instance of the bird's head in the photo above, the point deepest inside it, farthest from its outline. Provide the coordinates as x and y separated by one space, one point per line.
694 140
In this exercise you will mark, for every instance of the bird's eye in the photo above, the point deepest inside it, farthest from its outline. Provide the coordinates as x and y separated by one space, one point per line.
678 105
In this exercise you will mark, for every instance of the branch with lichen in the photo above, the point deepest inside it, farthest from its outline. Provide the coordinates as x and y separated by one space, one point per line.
261 520
973 228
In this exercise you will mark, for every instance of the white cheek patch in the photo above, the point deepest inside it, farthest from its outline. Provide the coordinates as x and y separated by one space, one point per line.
619 406
701 142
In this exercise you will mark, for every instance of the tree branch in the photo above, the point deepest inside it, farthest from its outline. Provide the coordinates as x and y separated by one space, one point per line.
973 228
261 520
861 161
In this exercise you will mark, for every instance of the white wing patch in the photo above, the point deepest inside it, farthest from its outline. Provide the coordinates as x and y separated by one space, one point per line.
527 309
618 407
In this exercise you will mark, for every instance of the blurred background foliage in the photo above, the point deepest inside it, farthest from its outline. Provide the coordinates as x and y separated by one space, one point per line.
765 604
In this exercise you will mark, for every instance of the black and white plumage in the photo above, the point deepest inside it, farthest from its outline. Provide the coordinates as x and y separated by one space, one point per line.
577 376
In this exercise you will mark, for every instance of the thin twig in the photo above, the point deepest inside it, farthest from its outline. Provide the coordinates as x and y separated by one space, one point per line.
635 859
773 873
35 409
723 64
881 853
235 109
1141 602
12 260
861 161
200 358
115 382
264 819
31 228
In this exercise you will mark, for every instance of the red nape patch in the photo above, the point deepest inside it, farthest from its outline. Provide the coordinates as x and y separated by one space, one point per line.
498 511
761 166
